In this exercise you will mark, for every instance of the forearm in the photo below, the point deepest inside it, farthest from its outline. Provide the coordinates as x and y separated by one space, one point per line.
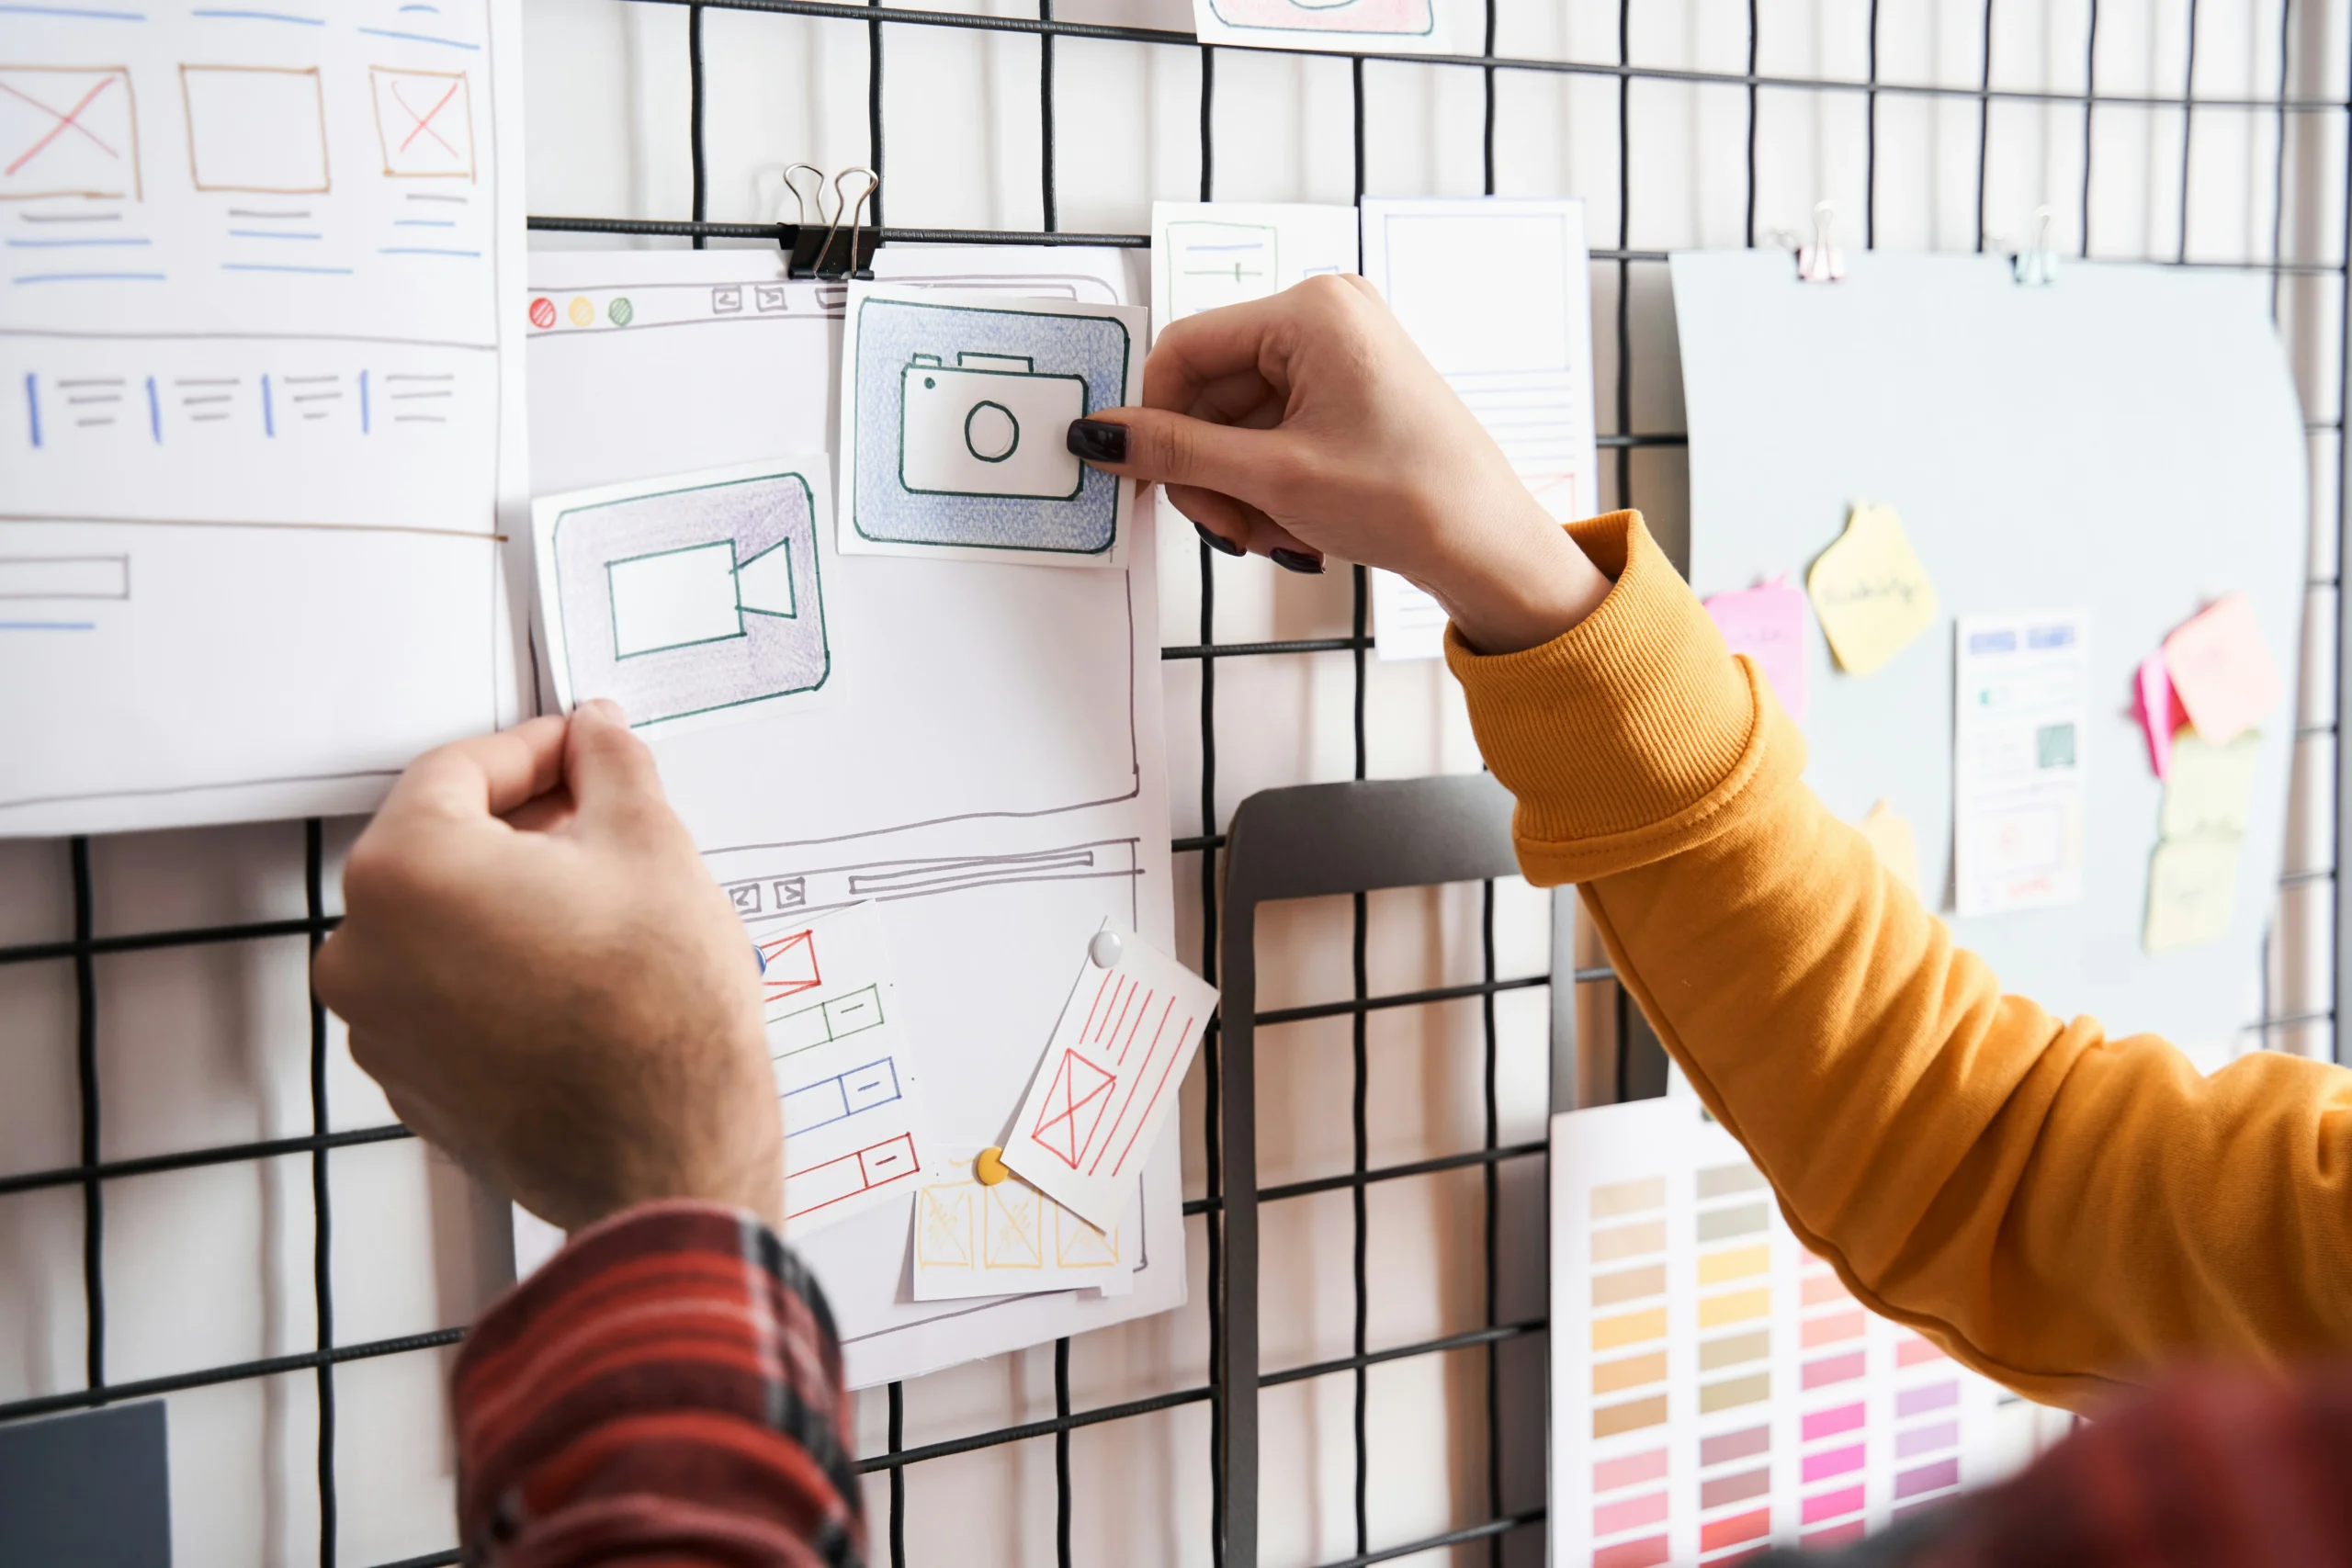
667 1388
2060 1209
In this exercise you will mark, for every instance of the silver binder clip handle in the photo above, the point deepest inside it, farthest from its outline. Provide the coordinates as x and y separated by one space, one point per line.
2037 264
1822 261
808 204
852 207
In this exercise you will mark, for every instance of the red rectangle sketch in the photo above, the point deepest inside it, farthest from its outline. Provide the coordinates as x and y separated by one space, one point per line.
788 966
837 1181
67 130
424 123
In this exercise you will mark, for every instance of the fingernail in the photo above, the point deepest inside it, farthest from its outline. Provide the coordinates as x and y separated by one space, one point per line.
1217 541
1296 560
1097 440
604 708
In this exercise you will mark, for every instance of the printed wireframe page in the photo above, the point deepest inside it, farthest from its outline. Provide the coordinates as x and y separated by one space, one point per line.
253 328
1108 1084
1714 1386
988 768
1337 27
955 414
2017 765
1206 255
1498 293
697 598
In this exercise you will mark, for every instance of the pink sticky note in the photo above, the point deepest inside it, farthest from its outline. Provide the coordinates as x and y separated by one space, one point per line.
2160 712
2221 670
1766 623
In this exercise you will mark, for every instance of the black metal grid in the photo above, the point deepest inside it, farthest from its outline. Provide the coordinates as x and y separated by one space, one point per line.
92 1172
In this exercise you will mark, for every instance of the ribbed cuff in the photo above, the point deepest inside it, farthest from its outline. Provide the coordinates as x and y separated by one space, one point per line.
1628 738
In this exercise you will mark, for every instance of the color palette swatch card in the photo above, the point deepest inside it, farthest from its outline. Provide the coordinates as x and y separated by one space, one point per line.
1109 1080
1713 1386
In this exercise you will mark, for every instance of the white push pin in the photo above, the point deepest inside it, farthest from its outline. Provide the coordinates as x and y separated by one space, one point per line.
1104 950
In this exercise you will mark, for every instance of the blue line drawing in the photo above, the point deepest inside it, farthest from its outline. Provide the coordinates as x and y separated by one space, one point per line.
424 222
960 415
74 11
421 251
88 277
273 234
32 403
66 244
363 403
840 1097
260 17
49 625
154 413
693 600
420 38
275 266
268 413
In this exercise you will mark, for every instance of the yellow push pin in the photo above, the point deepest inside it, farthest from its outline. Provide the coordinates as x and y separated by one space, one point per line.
988 1166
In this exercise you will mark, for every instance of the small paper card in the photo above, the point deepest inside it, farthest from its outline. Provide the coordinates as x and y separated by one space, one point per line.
1898 846
2209 793
972 1239
1871 591
1766 623
2192 893
1109 1079
2221 670
2159 710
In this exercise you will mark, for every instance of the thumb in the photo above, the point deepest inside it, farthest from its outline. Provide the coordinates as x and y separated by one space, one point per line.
607 769
1160 447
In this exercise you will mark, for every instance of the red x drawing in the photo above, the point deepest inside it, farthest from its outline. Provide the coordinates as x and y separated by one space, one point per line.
1073 1106
424 123
67 131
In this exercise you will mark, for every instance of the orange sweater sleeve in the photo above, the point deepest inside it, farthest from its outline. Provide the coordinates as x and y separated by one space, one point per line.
2060 1211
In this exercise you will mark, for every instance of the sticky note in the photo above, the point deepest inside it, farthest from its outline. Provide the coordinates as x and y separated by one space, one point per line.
2210 792
1870 591
2192 891
2221 670
1890 833
1766 623
2160 713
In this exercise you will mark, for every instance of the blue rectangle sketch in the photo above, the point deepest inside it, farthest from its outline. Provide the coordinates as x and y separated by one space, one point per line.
828 1101
961 416
693 600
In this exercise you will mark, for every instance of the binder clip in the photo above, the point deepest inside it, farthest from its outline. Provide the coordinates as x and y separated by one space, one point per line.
1822 261
2037 264
815 242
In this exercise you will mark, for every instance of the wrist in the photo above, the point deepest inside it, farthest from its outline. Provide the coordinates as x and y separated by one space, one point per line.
1521 585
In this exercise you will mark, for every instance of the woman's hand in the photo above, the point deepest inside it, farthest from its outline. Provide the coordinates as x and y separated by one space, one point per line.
1309 422
537 967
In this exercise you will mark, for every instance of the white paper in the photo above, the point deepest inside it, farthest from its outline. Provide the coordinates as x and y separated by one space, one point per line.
955 411
1378 26
1108 1084
2017 761
692 600
848 1069
989 768
972 1239
1498 295
1713 1386
253 333
1206 255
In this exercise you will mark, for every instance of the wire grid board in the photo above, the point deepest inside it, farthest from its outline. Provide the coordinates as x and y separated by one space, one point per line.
165 1065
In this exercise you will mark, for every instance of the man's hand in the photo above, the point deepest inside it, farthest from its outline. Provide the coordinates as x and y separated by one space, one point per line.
1309 422
540 972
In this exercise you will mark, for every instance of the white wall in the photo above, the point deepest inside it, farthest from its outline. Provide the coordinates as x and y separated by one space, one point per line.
209 1044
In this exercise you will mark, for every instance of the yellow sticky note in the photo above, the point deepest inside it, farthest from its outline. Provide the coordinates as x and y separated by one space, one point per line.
1890 834
2209 790
2192 891
1871 591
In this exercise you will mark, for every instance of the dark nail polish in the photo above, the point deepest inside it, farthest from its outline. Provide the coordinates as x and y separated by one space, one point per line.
1296 560
1097 440
1217 541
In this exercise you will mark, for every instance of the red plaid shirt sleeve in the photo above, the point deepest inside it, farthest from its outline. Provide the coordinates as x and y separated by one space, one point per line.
666 1390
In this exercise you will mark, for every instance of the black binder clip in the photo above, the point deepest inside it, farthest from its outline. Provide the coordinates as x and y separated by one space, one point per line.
815 244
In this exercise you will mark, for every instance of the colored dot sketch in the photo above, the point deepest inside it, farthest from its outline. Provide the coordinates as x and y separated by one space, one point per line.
961 415
1411 19
693 600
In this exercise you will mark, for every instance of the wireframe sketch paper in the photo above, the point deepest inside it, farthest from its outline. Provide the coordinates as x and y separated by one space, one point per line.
254 337
973 1239
1206 255
2222 670
987 764
847 1068
1109 1080
1766 623
954 412
2017 777
1713 1384
1870 591
1498 293
700 597
1384 27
